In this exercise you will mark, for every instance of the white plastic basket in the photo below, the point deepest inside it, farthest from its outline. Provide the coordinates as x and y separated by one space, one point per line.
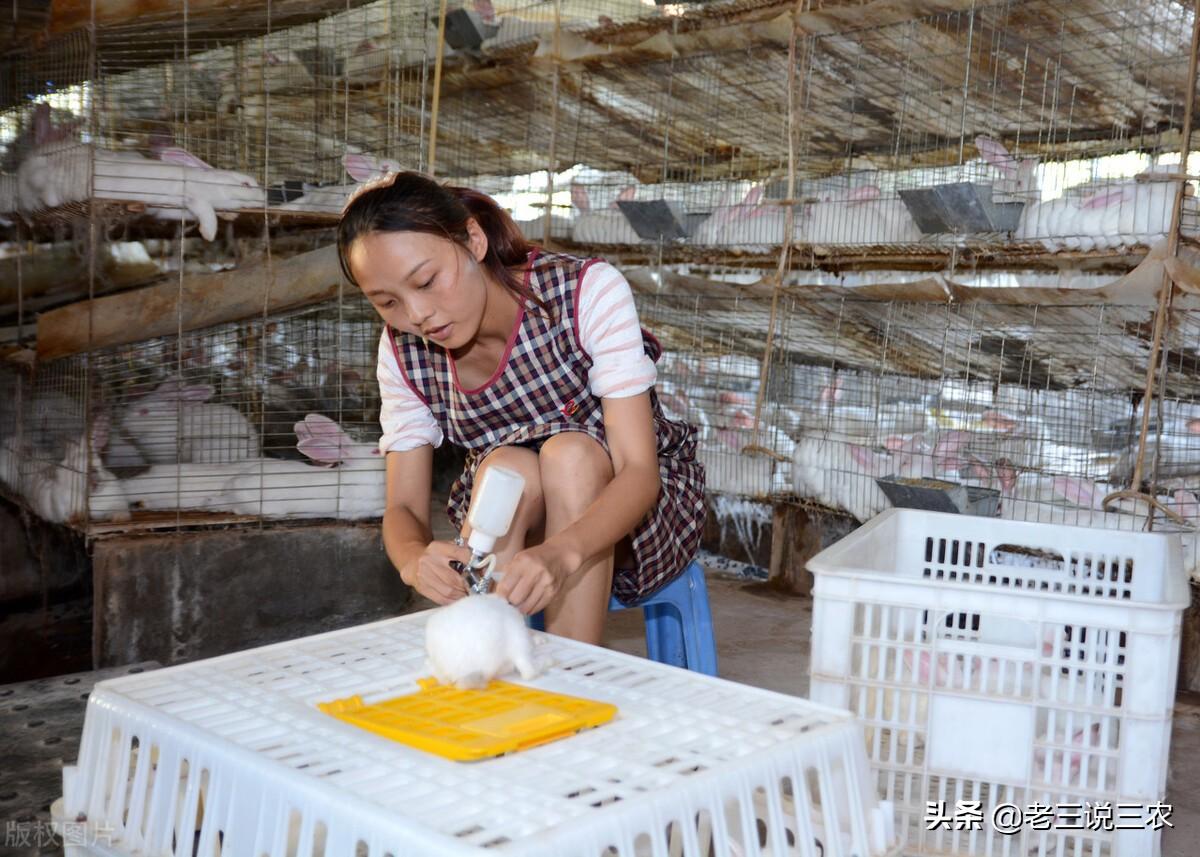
230 756
1006 663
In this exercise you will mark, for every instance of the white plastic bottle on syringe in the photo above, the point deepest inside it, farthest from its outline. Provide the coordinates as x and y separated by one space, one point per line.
493 504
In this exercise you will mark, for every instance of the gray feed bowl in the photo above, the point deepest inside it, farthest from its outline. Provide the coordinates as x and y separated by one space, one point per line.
960 207
654 219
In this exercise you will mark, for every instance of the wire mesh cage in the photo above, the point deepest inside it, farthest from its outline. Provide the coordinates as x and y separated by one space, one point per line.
195 118
1034 409
273 418
1027 126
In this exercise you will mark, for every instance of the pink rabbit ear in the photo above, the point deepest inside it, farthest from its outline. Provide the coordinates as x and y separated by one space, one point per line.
272 58
579 197
996 154
862 194
324 450
182 157
753 196
486 11
101 426
1078 491
366 46
1188 505
1006 472
1112 196
196 392
627 193
360 167
322 426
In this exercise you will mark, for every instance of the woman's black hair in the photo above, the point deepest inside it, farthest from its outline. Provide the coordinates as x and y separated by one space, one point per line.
413 202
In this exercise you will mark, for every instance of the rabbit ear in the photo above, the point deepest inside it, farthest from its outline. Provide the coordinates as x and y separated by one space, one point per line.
753 196
325 450
322 426
1111 196
366 46
182 157
579 197
862 194
194 392
101 426
486 11
627 193
996 154
360 167
1078 491
1187 505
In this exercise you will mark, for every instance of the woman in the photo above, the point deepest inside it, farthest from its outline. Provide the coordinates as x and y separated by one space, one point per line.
531 361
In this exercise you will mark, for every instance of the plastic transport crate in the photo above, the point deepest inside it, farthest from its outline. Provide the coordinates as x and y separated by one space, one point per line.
230 756
1004 662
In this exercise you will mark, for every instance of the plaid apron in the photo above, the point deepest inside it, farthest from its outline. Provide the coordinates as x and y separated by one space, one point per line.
541 389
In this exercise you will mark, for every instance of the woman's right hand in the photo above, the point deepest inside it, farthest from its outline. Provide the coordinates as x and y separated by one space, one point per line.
433 577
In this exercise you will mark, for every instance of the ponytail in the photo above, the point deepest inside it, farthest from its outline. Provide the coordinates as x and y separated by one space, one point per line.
413 202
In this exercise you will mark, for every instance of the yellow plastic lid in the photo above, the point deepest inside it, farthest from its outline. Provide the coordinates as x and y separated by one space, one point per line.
468 725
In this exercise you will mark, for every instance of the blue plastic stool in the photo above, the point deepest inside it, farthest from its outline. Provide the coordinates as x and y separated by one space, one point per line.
678 623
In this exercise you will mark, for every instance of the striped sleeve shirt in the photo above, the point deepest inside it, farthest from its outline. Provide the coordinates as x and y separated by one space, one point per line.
609 332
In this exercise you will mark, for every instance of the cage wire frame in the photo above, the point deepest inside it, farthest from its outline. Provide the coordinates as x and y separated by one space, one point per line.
949 24
124 65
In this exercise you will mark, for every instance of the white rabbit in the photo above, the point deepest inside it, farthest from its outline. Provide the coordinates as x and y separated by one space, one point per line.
729 470
366 64
170 187
1018 175
272 71
859 217
602 227
333 198
476 639
747 224
176 423
1128 213
1052 223
61 492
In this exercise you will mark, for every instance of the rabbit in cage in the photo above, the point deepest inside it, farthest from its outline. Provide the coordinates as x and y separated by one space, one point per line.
270 71
336 394
729 468
608 226
1018 180
858 217
60 491
747 224
332 198
174 183
175 422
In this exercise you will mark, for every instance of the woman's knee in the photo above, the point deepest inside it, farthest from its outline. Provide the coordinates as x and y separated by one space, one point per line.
574 469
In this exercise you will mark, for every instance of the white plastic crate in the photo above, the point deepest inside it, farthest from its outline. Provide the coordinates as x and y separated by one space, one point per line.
230 756
1006 663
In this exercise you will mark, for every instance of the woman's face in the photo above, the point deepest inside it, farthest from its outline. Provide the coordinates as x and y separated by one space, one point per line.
424 284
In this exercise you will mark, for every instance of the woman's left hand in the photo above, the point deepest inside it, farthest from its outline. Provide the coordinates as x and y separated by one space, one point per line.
536 575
